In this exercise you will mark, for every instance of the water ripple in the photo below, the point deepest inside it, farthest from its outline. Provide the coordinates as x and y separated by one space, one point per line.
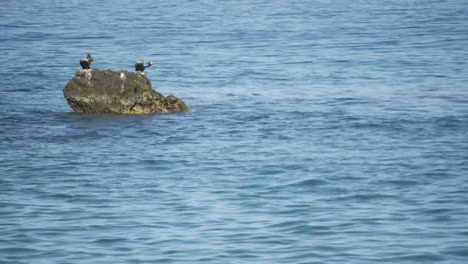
318 133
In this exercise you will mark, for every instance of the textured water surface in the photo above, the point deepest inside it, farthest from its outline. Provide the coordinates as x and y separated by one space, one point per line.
319 132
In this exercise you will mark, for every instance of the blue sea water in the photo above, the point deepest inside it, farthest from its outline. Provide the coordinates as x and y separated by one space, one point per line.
319 132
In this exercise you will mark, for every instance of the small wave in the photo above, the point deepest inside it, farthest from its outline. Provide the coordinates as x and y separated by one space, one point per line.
350 101
457 251
58 196
288 224
109 240
422 258
401 183
364 197
307 183
18 250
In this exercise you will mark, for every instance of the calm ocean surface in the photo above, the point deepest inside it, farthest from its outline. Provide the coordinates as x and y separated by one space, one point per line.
319 132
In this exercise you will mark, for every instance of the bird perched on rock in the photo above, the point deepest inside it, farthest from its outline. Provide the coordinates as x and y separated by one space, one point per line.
140 65
86 62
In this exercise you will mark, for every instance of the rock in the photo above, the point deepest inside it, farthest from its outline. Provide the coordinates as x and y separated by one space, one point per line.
106 91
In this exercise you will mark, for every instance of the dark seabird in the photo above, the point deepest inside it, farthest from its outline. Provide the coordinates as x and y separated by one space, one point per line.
86 62
140 65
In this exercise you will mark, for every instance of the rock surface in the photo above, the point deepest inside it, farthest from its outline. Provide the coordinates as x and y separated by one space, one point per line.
106 91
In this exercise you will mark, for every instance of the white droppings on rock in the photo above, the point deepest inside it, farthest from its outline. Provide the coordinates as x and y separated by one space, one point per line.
122 78
89 75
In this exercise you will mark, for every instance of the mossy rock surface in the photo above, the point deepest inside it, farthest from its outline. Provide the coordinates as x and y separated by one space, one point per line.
120 92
